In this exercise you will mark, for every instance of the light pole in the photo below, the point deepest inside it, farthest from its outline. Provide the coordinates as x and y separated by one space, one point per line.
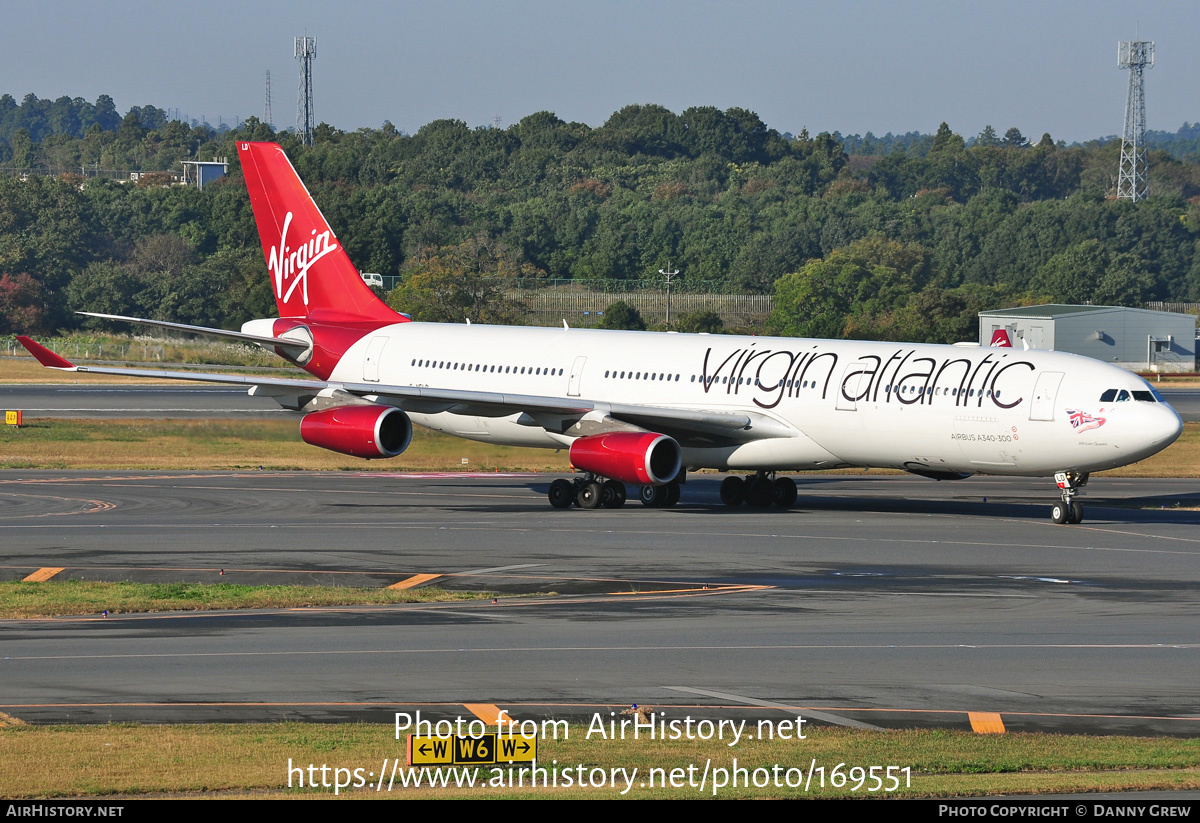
667 273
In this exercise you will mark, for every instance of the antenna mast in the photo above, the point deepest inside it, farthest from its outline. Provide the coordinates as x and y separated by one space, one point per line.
306 52
670 275
1132 183
267 102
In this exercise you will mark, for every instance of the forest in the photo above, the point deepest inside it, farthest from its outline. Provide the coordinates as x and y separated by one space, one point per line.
855 239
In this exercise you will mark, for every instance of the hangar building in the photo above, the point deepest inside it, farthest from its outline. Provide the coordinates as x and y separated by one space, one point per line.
1135 339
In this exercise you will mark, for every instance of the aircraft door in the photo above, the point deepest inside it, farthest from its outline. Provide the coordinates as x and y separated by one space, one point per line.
1044 393
854 386
576 375
374 355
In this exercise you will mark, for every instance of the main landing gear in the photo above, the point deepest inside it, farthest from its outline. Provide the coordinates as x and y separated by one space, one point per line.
1069 510
592 492
659 497
758 490
587 492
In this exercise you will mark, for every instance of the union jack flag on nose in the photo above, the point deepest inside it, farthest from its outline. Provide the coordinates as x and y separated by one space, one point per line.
1082 421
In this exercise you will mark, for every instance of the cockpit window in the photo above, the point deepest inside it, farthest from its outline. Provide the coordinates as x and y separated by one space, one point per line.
1121 395
1148 388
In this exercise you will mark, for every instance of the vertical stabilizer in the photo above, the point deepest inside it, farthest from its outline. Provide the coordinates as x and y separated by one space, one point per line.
311 275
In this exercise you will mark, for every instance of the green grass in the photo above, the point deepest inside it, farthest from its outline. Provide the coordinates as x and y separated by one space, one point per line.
252 760
239 444
84 347
275 444
75 597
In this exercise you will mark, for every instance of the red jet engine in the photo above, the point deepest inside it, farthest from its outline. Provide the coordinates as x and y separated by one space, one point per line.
645 458
362 431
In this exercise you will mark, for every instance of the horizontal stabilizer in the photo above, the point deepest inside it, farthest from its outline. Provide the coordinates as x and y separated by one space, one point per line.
295 348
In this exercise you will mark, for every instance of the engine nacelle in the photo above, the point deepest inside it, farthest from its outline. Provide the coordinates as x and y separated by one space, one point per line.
645 458
361 431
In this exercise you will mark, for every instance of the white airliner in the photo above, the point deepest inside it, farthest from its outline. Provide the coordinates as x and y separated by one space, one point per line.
643 408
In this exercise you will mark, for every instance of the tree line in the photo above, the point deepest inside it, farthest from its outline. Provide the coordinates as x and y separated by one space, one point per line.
904 245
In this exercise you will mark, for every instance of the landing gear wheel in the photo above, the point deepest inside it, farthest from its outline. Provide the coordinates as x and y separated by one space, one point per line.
561 494
613 494
1076 513
672 495
760 493
590 495
653 496
733 490
785 492
1069 510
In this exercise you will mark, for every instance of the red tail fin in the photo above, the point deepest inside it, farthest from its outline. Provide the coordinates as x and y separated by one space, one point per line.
310 271
1000 339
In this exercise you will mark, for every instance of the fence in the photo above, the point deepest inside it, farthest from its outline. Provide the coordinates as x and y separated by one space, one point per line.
184 353
549 301
77 350
1180 308
83 171
550 304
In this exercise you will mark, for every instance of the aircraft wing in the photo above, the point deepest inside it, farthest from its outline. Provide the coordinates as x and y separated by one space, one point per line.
688 426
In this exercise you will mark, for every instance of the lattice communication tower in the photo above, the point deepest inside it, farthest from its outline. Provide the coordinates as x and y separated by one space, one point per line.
267 102
306 52
1135 55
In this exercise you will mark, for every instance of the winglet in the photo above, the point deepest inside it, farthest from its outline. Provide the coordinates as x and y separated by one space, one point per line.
43 354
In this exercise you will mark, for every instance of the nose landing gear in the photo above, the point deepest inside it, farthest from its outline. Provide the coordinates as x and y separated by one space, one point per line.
1069 510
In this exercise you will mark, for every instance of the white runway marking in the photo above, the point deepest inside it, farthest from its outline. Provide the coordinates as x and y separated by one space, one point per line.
834 719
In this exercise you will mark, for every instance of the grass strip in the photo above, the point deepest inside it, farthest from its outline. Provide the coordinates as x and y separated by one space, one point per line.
84 347
232 445
1180 459
79 597
176 445
27 371
67 761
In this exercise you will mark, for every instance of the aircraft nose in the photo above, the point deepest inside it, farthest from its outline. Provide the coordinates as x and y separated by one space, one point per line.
1165 426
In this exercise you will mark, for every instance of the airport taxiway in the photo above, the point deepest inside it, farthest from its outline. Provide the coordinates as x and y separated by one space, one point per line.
877 600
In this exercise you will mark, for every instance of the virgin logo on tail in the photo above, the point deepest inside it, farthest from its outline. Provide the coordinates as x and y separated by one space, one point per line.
1000 339
293 266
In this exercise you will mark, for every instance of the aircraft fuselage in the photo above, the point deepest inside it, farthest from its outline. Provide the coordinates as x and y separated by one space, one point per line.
910 406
